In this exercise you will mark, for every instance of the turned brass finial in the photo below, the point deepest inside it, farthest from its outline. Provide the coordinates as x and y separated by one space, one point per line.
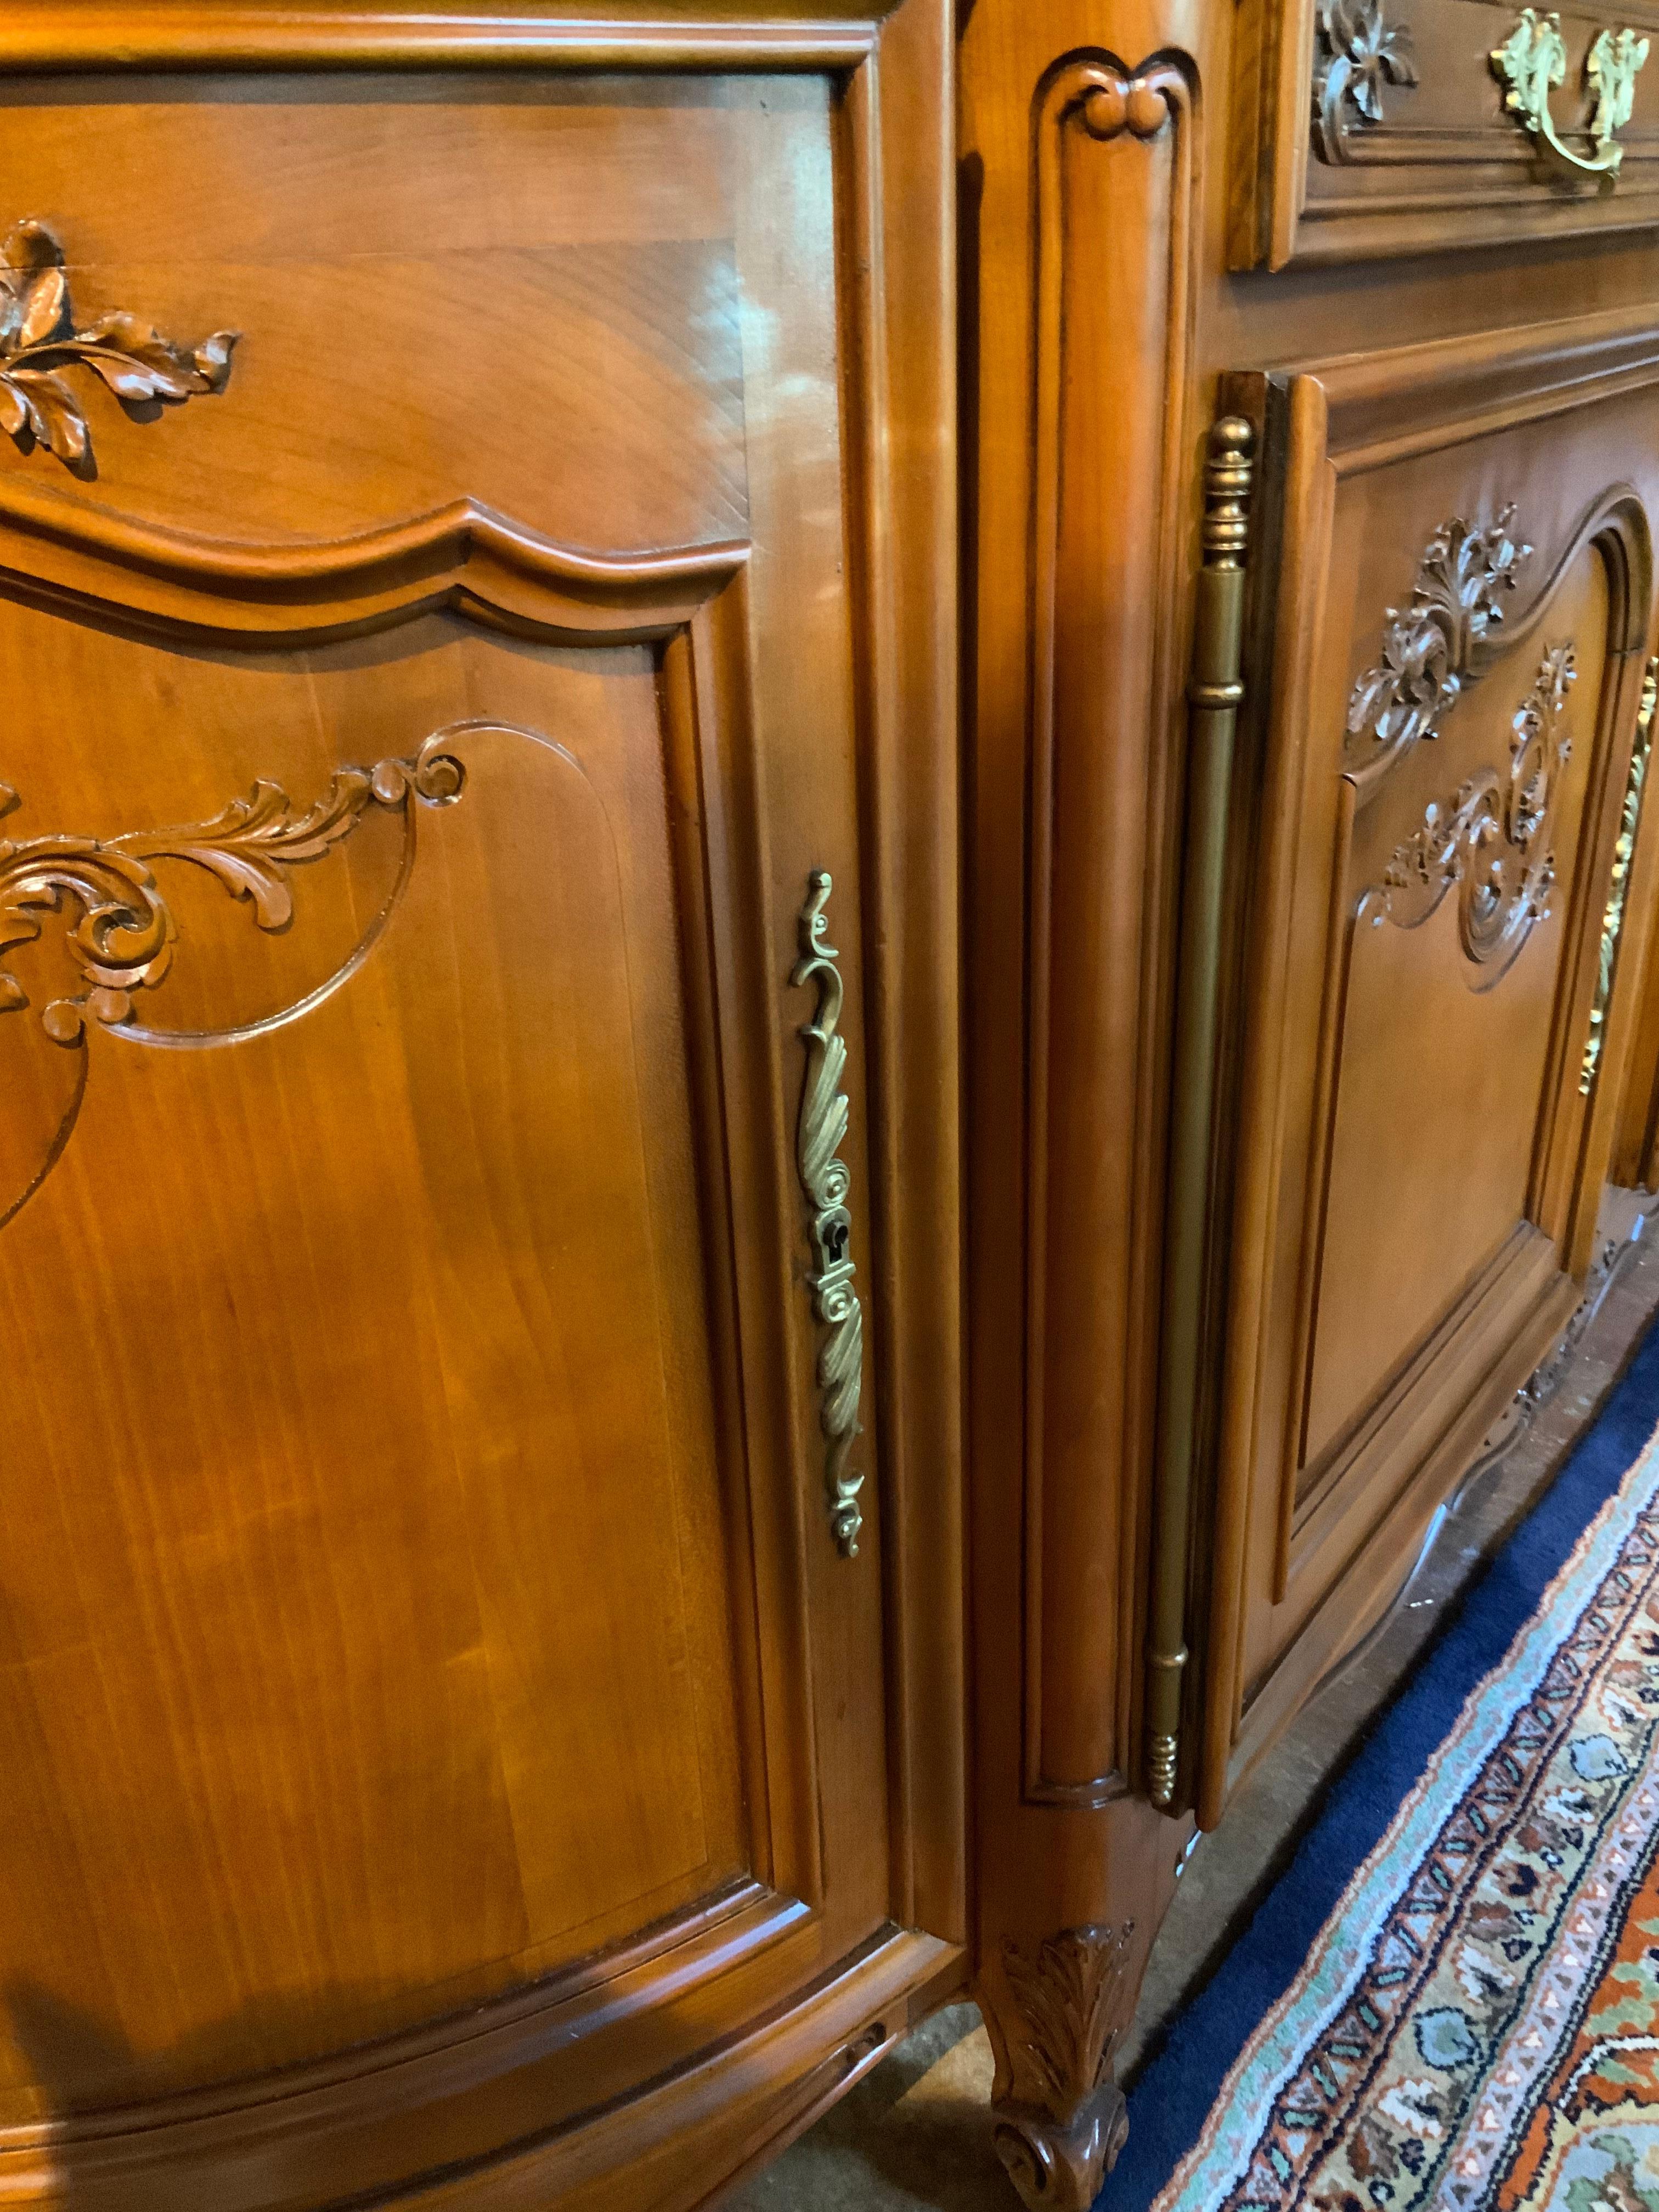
1229 467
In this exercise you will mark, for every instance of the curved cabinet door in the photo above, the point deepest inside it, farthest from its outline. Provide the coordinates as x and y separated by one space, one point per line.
1458 637
447 1754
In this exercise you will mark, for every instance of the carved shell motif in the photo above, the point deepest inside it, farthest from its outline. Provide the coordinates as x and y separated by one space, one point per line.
38 341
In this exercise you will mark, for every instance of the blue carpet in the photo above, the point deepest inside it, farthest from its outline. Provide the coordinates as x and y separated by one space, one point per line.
1183 2075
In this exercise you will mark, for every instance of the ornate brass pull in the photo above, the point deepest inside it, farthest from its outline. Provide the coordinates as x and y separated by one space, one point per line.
1612 917
1534 59
825 1180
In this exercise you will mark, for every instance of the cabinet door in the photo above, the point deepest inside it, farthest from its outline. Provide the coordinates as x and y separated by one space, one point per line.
1460 614
447 733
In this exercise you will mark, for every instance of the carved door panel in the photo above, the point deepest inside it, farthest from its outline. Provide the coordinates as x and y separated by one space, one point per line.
436 1232
1432 1049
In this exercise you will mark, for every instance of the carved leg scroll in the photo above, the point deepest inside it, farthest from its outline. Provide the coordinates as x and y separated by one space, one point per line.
1055 2015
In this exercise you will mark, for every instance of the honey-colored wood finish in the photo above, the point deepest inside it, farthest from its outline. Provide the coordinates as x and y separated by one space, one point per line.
622 899
1446 351
449 1758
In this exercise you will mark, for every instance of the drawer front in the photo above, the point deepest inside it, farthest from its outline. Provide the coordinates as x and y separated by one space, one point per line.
1461 625
1366 127
437 1178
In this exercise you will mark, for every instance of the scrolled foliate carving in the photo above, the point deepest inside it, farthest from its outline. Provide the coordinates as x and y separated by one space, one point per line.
1060 2138
826 1180
1359 52
38 341
124 932
1429 646
1493 841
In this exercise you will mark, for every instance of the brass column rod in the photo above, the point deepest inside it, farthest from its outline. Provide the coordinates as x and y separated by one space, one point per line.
1213 694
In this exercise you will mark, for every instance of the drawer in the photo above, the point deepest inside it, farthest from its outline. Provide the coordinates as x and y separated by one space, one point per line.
1367 127
1462 608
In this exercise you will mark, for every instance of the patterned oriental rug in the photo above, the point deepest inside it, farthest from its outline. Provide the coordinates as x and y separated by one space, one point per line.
1474 2020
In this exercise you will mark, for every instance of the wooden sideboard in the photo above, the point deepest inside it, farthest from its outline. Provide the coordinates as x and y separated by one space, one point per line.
824 919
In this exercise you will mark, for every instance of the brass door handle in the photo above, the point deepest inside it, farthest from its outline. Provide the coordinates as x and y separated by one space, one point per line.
825 1182
1533 60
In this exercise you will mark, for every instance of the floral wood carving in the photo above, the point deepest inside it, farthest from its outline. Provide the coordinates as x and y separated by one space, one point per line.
1612 917
125 936
1059 2141
39 340
1494 841
1428 648
1359 53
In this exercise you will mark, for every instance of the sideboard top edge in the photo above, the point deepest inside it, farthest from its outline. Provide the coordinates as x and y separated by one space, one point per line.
75 41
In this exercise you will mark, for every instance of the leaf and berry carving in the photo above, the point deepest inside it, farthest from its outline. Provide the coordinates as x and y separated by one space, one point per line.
123 933
1494 841
38 341
1360 51
1429 649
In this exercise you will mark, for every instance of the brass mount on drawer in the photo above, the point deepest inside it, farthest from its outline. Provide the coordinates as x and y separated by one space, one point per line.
1533 60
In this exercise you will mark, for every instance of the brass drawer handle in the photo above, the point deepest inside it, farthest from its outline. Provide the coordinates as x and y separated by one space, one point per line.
825 1180
1534 59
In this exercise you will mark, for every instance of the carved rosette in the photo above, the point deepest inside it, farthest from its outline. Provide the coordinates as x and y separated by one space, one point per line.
1061 2137
1429 648
825 1180
1358 52
1612 918
39 340
1494 841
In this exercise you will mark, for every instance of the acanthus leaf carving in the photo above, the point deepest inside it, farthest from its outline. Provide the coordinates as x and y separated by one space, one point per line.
1360 51
38 341
1494 840
1429 647
125 936
1059 2139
